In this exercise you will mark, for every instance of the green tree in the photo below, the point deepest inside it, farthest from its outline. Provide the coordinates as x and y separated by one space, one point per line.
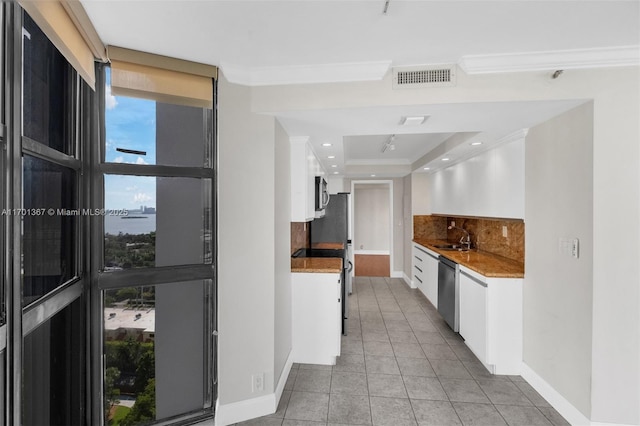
126 293
111 393
144 410
146 370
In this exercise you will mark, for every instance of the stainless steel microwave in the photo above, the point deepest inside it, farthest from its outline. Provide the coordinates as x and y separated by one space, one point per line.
322 196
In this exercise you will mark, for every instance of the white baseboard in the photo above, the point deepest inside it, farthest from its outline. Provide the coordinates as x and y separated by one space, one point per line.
562 406
397 274
227 414
282 381
247 409
407 280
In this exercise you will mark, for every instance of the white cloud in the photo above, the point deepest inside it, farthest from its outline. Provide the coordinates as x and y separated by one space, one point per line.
118 159
141 197
131 188
140 160
110 101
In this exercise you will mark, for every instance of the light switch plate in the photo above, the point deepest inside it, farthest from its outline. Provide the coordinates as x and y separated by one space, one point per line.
575 251
569 247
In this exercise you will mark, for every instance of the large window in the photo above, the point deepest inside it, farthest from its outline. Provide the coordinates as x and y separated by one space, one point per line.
50 229
49 219
156 273
47 81
107 287
54 374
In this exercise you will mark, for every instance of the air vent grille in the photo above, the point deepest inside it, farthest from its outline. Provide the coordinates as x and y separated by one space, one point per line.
424 76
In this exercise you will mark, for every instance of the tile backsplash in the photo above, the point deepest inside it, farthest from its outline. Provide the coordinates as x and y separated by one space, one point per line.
486 234
300 236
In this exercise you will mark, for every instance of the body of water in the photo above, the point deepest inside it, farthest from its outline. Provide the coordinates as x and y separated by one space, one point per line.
142 224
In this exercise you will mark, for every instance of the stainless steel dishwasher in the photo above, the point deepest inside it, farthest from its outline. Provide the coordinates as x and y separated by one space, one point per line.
448 292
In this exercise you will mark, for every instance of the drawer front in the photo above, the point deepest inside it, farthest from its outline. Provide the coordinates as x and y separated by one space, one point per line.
419 265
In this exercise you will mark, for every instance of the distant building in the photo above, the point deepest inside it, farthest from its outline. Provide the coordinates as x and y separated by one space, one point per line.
120 323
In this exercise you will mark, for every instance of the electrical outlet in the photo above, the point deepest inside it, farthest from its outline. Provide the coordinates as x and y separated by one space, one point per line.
575 248
505 233
257 382
453 223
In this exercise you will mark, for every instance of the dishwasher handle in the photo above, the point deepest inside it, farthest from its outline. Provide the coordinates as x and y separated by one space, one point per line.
448 262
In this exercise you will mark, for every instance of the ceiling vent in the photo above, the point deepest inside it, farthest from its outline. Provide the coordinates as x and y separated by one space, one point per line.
424 76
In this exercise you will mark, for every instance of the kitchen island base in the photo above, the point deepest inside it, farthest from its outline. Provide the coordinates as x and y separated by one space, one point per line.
317 317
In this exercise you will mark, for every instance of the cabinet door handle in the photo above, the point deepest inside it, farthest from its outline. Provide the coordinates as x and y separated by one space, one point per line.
418 268
418 258
338 300
417 278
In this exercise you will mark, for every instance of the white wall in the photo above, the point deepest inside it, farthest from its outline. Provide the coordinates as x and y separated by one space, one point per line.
246 241
615 389
420 196
371 217
558 290
336 184
407 232
398 227
282 248
616 293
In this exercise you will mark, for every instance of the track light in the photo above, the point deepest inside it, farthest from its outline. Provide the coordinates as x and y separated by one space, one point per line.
388 145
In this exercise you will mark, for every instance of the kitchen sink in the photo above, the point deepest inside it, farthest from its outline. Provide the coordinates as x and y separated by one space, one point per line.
448 246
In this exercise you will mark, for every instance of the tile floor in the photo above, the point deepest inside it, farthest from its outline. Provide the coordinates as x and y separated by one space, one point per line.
402 365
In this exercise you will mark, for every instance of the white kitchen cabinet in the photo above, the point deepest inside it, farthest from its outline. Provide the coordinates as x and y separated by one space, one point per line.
490 184
425 272
317 317
491 320
304 169
473 314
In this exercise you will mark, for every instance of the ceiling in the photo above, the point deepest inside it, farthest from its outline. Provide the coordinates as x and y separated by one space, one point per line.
309 41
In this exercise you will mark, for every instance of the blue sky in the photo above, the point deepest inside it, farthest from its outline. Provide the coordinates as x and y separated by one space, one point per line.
130 124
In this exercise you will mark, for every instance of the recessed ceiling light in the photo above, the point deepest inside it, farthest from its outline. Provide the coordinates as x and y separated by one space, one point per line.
326 144
373 175
335 173
334 165
476 143
445 159
426 168
413 121
331 157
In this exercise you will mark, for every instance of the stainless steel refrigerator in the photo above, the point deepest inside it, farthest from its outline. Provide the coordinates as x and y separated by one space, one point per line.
334 228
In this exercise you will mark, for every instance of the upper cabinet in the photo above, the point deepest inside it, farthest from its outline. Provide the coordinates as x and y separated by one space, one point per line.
488 185
305 166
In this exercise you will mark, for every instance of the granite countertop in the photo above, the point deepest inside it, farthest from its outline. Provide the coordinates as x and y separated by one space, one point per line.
484 263
327 265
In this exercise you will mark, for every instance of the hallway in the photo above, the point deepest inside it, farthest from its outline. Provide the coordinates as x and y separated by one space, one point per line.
402 365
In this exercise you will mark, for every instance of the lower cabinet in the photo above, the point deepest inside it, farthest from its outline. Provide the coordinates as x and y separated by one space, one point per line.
491 320
317 317
425 272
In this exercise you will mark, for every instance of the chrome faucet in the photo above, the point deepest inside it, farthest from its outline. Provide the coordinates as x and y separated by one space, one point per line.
465 240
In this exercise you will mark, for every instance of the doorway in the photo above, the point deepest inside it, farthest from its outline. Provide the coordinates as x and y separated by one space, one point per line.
372 231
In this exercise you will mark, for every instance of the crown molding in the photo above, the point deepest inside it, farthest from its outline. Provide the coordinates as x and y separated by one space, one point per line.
512 137
552 60
305 74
